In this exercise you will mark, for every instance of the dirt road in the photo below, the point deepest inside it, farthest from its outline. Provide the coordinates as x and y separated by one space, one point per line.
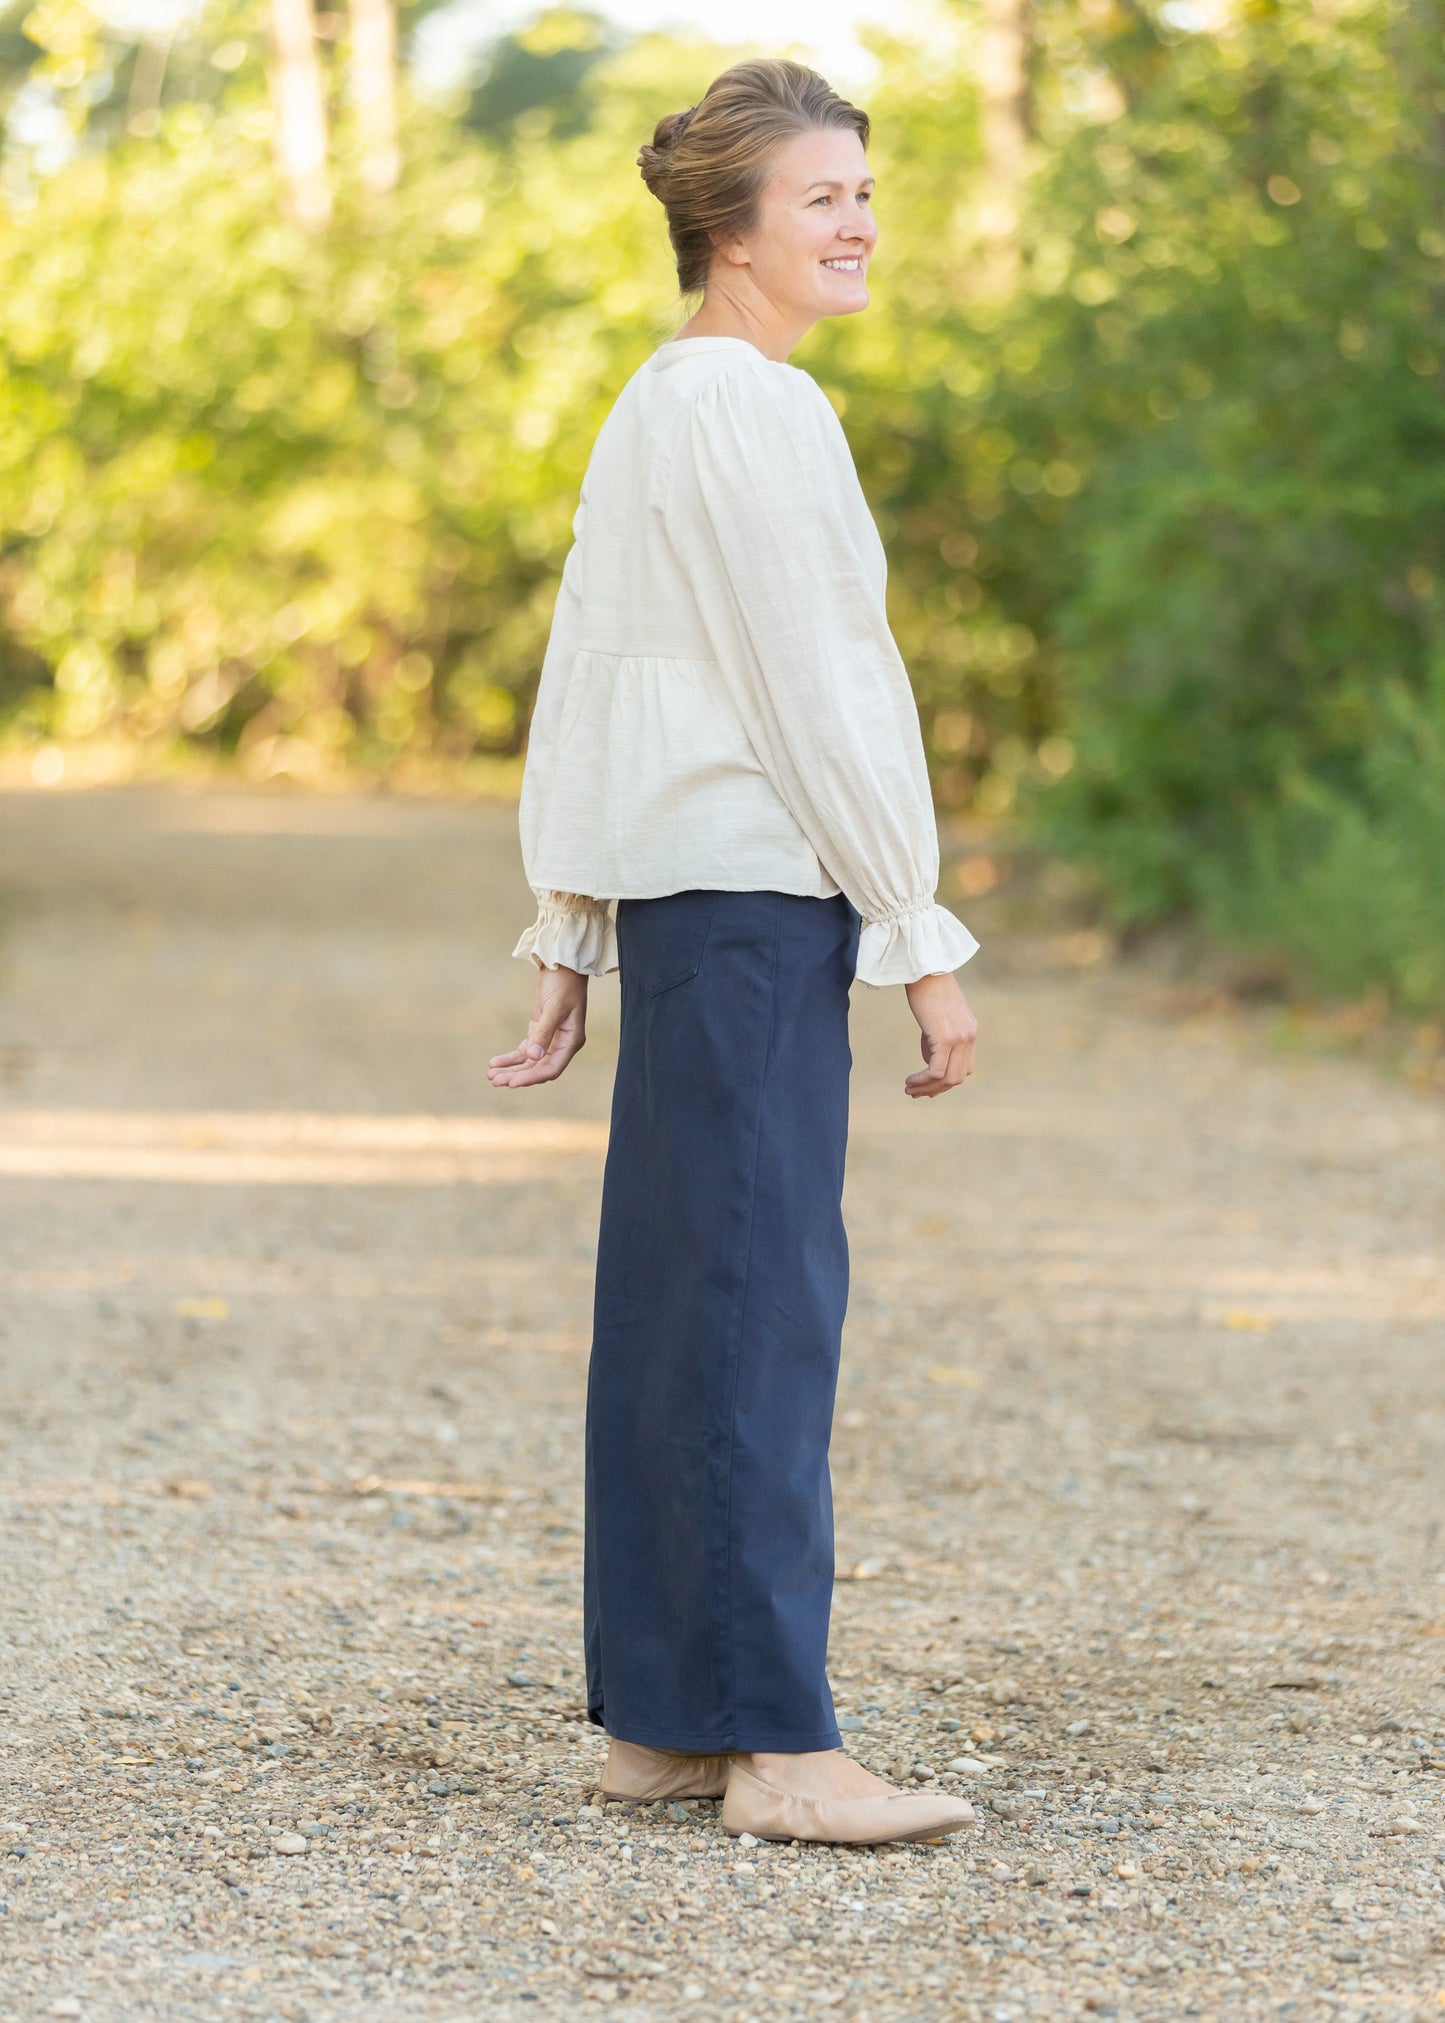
1138 1471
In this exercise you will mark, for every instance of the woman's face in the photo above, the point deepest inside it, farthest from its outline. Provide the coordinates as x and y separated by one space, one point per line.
815 234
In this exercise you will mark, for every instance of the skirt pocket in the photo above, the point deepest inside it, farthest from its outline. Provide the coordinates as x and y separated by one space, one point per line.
661 941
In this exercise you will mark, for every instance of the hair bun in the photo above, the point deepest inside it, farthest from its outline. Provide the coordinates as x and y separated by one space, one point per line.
654 157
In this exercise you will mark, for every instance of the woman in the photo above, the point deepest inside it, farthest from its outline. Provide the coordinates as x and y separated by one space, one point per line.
725 743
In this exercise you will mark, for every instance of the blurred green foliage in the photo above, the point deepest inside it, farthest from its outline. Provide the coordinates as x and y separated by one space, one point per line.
1159 471
1222 506
306 497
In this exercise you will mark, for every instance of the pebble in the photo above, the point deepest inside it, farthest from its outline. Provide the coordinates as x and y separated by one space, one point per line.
289 1843
391 1679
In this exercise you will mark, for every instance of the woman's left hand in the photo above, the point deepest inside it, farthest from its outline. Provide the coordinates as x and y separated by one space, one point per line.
556 1032
949 1030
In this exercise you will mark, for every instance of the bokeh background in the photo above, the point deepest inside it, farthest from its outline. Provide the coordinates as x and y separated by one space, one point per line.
308 320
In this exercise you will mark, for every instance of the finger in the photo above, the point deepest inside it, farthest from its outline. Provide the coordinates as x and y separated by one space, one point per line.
543 1030
545 1070
511 1060
946 1069
542 1067
924 1083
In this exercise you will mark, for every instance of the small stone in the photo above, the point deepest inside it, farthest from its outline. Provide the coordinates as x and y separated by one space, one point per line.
747 1840
1003 1692
1036 1876
1082 1890
521 1679
288 1843
1310 1807
312 1828
1002 1873
968 1766
849 1724
546 1925
1126 1872
66 2006
1077 1728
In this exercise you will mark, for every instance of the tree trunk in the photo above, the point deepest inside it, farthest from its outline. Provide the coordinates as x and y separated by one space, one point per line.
373 61
298 101
1004 50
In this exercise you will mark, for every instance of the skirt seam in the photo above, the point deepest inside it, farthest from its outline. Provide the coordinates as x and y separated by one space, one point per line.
754 1159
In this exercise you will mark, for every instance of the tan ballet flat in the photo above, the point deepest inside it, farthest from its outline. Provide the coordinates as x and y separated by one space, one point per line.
751 1806
634 1775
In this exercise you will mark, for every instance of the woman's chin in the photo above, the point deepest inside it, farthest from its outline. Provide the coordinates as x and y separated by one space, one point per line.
840 300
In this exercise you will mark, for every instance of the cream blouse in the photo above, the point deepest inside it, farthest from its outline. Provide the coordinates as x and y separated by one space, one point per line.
721 701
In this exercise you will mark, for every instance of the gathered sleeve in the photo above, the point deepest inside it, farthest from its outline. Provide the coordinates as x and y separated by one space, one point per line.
770 524
572 929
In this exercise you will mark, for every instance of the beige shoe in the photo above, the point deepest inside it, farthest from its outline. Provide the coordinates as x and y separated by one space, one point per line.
751 1806
637 1776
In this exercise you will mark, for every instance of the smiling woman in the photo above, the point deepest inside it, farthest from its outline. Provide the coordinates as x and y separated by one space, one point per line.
766 196
726 745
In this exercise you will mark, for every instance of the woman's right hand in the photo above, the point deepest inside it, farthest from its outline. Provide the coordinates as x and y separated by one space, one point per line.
556 1031
949 1030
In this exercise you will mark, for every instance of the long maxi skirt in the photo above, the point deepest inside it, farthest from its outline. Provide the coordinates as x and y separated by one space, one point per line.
722 1279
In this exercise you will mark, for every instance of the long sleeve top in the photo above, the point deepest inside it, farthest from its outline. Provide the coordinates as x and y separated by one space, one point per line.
721 701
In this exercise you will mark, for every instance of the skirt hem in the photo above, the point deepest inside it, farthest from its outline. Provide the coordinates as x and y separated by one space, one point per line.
743 1742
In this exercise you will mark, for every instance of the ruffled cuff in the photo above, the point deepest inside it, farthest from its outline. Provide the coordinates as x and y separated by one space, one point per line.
571 931
926 941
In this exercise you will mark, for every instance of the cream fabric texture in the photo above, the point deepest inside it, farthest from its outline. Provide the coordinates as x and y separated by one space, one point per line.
721 701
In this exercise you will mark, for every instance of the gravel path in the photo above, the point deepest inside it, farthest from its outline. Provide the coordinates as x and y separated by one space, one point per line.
1138 1473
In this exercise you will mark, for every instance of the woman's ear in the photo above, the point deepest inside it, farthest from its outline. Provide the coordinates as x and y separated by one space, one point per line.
732 250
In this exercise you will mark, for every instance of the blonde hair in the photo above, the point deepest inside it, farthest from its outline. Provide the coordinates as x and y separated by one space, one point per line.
708 166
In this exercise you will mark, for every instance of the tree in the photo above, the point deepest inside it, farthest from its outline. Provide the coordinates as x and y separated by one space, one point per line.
299 104
373 63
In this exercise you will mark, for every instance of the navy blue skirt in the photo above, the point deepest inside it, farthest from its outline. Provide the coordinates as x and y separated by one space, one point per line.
722 1280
